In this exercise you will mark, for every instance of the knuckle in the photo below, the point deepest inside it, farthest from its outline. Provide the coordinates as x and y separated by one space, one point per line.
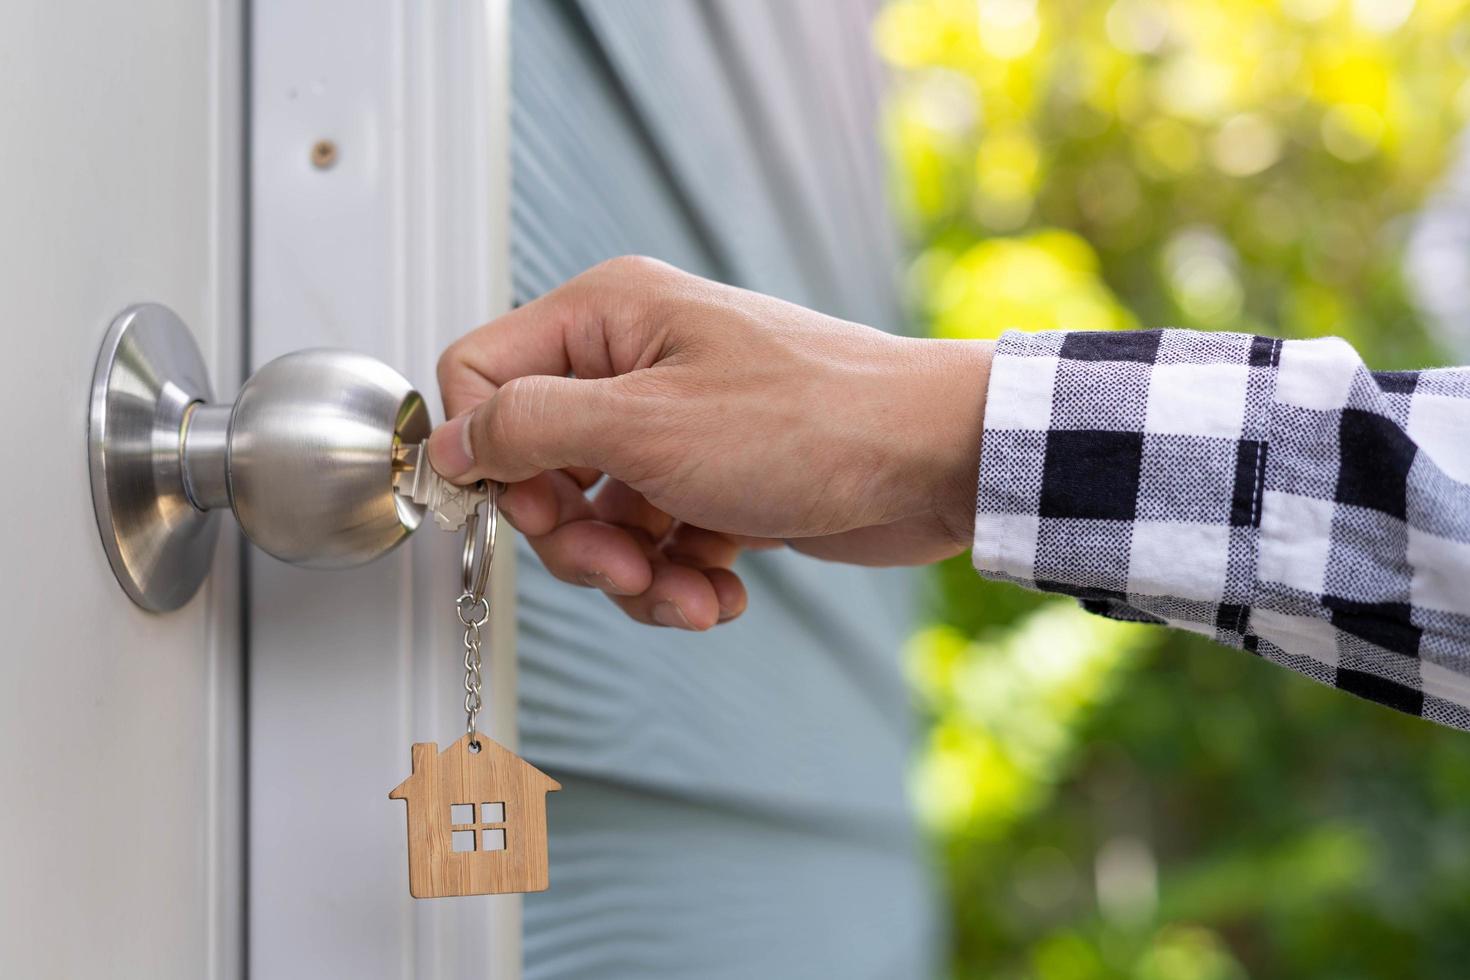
450 361
518 404
639 267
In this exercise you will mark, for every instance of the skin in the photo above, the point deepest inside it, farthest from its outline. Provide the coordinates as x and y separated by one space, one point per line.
651 425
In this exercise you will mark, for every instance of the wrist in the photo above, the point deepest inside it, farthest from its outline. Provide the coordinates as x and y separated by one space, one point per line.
956 378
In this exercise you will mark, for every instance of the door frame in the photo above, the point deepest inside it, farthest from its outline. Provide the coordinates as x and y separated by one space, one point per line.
394 248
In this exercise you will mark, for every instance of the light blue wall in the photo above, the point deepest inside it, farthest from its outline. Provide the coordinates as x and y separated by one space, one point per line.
733 802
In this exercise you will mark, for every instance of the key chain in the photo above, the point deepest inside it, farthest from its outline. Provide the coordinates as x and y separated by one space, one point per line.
476 810
472 607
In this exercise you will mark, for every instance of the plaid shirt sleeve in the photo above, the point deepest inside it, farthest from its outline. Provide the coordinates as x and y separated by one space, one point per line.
1274 495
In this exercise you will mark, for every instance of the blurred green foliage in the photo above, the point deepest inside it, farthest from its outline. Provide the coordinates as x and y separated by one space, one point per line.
1116 801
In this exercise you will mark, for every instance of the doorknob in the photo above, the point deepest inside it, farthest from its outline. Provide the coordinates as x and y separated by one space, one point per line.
303 457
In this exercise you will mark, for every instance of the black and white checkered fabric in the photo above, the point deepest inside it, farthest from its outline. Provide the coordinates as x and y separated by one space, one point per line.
1274 495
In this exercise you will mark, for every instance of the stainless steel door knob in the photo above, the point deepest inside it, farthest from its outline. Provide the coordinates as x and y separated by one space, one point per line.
303 457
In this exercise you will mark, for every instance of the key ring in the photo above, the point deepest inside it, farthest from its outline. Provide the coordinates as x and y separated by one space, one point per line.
473 607
475 562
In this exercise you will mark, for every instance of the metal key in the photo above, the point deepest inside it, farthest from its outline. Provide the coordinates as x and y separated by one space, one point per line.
414 478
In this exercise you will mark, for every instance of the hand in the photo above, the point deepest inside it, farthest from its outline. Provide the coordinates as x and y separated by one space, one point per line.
722 420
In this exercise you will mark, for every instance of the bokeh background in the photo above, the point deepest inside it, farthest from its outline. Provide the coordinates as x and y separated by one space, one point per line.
1113 801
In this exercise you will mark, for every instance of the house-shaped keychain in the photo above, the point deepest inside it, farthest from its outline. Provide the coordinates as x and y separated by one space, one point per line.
476 820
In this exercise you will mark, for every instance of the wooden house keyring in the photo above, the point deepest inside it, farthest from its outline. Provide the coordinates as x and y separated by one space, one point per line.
476 820
476 811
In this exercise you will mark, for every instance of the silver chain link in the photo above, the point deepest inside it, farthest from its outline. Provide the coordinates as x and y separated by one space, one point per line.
474 612
472 607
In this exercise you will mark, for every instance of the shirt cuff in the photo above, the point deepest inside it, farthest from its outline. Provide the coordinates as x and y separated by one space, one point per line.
1127 469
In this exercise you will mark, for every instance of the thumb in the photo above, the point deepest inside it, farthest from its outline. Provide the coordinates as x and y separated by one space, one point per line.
530 424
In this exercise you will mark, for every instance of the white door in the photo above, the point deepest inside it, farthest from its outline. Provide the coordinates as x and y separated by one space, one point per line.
124 735
120 730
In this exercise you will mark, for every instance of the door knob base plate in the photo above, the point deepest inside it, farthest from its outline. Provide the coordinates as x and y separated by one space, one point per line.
148 381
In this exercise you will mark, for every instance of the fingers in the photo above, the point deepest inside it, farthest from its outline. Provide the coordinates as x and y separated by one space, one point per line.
597 555
679 596
504 383
584 475
695 546
620 504
563 529
538 505
712 594
593 326
712 553
517 417
693 587
685 597
624 547
730 594
530 425
645 583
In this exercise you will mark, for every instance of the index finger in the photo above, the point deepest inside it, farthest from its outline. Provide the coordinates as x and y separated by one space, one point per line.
569 330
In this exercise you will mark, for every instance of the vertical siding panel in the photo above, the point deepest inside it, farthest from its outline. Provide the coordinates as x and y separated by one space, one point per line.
734 801
780 54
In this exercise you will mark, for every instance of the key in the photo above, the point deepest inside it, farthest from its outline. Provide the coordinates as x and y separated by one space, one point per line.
415 479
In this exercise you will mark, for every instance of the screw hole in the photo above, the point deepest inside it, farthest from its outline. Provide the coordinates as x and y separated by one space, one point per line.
323 154
475 748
